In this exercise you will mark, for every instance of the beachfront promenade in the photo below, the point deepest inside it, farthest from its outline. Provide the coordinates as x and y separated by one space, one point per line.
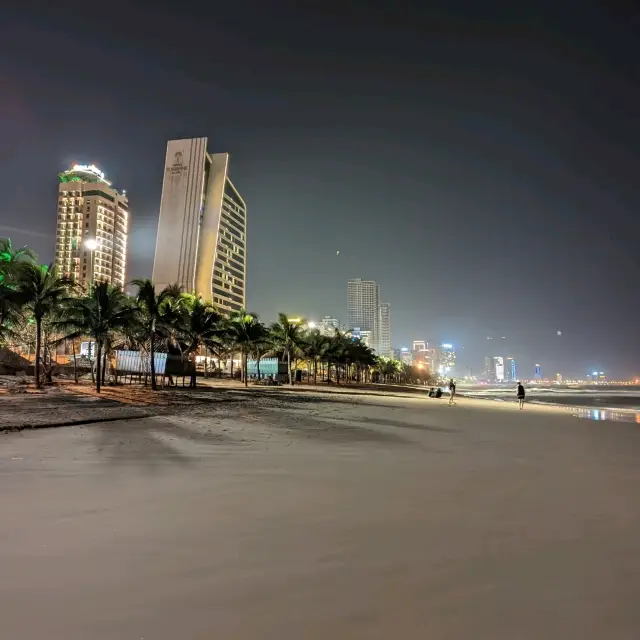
273 515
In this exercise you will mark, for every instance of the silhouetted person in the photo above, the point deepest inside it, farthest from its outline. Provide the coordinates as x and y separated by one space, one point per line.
521 395
452 391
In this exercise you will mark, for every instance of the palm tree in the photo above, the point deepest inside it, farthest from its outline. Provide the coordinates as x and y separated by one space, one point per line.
199 324
386 367
260 349
12 259
360 356
11 301
151 315
336 353
228 342
247 332
99 316
42 290
288 338
315 348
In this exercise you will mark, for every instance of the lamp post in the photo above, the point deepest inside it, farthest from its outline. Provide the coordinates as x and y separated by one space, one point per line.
91 244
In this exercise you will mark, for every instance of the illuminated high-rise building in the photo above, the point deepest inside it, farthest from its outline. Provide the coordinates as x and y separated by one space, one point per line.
201 242
511 370
328 325
494 369
364 309
92 228
365 336
384 341
489 372
446 359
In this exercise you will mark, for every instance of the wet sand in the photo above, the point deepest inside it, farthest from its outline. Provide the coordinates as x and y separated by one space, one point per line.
303 516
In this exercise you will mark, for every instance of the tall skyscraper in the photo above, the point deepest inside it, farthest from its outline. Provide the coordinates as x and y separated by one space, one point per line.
384 343
92 228
511 370
364 308
201 242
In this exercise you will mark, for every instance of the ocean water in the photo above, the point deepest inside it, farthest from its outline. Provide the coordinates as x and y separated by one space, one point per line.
617 403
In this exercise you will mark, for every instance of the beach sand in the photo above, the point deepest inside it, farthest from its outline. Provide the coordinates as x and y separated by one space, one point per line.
278 515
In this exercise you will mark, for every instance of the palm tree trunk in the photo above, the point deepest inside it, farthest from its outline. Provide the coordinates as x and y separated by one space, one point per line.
232 365
104 364
75 367
289 367
36 367
46 360
152 360
246 369
93 377
98 359
258 366
193 382
315 371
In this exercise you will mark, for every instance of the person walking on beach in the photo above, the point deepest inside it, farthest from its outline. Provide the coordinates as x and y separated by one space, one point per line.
521 395
452 391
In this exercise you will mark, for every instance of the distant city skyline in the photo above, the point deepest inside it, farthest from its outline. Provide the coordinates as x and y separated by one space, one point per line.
474 363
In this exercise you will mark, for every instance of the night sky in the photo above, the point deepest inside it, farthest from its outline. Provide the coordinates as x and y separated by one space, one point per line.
480 161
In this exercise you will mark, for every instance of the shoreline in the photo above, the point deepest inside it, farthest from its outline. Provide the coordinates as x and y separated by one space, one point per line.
72 405
585 411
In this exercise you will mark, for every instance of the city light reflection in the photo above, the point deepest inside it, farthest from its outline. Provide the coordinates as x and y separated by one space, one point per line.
607 414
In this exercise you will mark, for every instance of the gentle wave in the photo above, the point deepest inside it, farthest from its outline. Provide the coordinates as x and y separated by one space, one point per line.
623 399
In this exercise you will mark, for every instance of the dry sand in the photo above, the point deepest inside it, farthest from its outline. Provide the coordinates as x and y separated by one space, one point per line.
278 516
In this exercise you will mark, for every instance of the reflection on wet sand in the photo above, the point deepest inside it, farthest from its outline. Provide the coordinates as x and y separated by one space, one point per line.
606 414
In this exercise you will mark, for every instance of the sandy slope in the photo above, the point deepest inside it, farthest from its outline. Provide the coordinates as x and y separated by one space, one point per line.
323 517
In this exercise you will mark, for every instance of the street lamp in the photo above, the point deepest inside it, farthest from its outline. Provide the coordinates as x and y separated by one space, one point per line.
91 244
